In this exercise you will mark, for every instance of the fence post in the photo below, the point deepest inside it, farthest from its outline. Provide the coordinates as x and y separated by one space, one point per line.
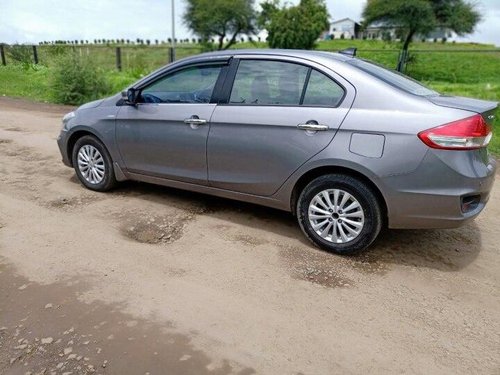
2 55
35 55
171 54
119 59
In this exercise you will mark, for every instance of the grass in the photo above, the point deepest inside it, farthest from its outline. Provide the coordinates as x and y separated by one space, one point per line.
465 69
32 83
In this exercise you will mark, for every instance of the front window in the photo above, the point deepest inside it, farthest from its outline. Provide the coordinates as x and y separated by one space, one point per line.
194 84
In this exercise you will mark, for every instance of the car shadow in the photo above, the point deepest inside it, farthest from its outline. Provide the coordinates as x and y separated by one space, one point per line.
445 250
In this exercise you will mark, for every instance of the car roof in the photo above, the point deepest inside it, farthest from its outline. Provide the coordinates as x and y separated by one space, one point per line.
274 52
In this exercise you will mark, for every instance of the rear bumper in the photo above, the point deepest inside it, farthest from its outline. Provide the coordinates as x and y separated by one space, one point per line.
432 195
62 142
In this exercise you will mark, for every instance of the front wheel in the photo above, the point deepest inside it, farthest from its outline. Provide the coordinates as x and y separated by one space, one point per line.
339 213
93 164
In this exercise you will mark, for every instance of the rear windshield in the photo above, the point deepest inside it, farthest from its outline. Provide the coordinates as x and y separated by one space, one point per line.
393 78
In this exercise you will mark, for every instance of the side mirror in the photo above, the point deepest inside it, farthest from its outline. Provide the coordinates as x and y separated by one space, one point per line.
131 96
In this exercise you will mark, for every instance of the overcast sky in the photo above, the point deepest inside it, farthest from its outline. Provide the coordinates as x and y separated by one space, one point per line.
31 21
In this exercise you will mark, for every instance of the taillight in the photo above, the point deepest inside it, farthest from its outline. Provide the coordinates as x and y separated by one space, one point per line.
467 134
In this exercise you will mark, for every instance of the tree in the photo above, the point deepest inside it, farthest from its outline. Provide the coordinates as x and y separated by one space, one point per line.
220 18
413 17
297 26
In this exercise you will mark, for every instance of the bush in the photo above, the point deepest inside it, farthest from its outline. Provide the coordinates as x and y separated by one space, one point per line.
75 80
21 54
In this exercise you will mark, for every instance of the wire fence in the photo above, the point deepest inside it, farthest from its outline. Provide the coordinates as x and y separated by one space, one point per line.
446 64
121 57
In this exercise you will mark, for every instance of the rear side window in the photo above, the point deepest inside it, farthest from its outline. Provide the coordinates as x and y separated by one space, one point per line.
393 78
322 91
264 82
261 82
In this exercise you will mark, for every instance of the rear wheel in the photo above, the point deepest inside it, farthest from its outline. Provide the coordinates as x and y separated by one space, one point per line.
93 164
339 213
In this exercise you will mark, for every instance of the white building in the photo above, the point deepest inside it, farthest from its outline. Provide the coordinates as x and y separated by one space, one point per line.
380 31
345 28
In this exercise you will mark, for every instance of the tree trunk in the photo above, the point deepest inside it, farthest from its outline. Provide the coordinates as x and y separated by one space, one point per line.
221 41
404 53
408 39
232 40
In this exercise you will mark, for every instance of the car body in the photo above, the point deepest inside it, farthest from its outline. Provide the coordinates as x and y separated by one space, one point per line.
261 125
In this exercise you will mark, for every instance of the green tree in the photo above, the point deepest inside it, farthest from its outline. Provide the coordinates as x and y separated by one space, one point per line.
297 26
413 17
220 19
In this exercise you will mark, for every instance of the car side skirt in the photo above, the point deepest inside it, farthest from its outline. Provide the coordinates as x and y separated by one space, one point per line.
249 198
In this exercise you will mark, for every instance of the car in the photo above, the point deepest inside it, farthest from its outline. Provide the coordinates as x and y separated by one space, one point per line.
345 145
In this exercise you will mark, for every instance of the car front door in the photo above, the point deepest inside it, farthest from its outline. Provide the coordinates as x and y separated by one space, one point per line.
278 114
165 134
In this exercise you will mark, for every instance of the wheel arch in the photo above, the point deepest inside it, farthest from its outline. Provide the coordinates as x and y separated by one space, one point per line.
74 137
311 174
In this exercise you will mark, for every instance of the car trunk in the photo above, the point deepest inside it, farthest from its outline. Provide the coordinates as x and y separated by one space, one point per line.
485 108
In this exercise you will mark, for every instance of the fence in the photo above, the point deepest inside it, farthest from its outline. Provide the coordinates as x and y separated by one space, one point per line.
123 57
445 63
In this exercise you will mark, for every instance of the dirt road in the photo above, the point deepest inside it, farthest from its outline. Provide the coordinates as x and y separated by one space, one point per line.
153 280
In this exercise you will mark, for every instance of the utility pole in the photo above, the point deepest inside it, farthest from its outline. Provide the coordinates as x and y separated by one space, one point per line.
173 30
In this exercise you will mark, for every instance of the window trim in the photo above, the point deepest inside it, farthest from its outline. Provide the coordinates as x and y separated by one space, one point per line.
233 69
306 85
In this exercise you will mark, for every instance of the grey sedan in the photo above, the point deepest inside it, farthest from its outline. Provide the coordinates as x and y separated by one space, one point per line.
345 145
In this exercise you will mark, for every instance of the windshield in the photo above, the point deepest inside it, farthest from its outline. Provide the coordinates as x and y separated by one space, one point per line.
393 78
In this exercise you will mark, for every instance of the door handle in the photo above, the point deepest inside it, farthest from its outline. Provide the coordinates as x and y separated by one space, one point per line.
195 120
313 127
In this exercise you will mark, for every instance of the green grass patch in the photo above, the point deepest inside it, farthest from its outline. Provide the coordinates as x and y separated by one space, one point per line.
121 80
32 82
338 44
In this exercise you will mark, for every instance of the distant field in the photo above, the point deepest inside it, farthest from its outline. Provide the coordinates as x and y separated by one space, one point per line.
465 69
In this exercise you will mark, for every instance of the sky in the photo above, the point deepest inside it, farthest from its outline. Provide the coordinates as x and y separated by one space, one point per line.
32 21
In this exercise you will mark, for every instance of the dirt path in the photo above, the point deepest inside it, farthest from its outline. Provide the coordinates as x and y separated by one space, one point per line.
153 280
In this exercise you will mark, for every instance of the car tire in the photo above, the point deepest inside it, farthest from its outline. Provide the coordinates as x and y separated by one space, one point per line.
353 224
93 164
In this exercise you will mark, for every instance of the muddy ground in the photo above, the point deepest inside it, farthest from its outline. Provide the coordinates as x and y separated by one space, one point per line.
147 279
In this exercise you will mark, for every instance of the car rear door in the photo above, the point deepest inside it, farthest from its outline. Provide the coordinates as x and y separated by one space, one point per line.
165 134
278 113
